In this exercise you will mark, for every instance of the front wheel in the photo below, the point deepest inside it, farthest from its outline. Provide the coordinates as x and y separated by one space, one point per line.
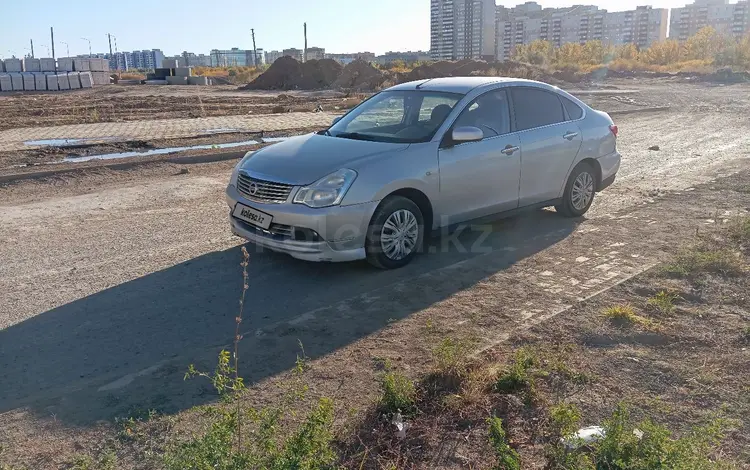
579 191
395 234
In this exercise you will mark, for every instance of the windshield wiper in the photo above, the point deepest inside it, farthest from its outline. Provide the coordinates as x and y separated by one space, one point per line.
356 136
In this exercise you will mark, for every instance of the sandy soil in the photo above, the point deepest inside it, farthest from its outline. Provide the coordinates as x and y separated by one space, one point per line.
113 281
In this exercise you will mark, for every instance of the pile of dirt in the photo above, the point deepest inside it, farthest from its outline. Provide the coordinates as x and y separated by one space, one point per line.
286 73
469 67
360 75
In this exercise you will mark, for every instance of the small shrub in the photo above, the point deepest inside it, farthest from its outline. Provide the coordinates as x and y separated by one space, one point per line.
106 461
625 314
399 393
700 260
745 334
564 419
740 230
518 376
451 356
622 448
507 457
663 302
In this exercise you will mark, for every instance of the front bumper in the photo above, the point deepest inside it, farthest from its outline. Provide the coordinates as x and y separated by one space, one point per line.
341 230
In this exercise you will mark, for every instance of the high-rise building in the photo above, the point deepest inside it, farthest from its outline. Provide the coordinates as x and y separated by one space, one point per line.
271 56
729 19
191 59
347 58
316 53
294 53
441 30
234 57
529 22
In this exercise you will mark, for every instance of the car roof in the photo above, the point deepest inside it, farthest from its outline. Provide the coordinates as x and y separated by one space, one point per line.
462 85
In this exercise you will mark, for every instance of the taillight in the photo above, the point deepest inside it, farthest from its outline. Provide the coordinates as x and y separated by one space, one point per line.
613 128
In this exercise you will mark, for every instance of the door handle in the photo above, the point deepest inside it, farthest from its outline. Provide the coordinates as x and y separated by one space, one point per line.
509 150
570 135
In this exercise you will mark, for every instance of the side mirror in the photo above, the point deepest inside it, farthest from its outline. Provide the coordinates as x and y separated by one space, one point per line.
336 119
466 134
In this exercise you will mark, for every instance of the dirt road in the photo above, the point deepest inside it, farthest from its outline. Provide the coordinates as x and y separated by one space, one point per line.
112 282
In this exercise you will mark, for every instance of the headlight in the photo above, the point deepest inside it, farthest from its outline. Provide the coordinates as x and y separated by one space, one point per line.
236 171
327 191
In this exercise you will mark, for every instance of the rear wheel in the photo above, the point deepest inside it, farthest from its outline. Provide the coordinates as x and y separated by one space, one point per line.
579 191
395 234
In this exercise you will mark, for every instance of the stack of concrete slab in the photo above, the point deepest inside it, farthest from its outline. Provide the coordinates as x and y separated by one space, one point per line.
99 65
47 64
100 78
177 80
170 63
17 81
87 81
51 82
5 82
13 65
28 82
75 80
63 82
2 66
197 80
31 65
40 81
81 65
183 72
65 64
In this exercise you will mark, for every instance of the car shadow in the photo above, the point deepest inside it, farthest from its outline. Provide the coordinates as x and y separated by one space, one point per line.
127 348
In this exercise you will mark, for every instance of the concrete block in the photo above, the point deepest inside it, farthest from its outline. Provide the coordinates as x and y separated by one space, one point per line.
29 84
47 64
81 65
40 81
87 81
51 82
162 73
197 81
65 64
99 65
63 82
75 80
16 81
5 83
100 78
2 66
170 63
13 65
177 80
31 65
183 71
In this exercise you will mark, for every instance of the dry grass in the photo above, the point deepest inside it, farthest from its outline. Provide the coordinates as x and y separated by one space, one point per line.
625 314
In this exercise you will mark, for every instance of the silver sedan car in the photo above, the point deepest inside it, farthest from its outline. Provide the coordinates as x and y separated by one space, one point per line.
417 157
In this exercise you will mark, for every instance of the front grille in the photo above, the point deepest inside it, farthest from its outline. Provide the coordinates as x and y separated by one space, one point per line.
275 231
263 191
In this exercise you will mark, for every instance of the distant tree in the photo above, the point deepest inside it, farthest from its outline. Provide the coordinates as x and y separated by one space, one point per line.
537 52
661 53
627 52
706 44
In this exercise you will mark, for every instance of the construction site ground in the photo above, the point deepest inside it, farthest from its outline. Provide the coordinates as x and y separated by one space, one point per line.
113 281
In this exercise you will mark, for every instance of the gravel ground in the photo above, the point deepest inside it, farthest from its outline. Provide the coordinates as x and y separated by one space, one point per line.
112 279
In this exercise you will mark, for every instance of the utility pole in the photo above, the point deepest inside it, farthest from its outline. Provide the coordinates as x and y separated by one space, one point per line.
304 53
109 38
255 50
89 41
32 47
52 40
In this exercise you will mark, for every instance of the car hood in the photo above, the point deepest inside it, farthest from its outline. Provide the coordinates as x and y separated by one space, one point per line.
307 158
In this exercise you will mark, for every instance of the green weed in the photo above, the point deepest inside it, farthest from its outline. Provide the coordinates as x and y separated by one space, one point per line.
564 419
625 314
740 230
518 376
107 461
507 457
663 302
700 260
451 356
398 393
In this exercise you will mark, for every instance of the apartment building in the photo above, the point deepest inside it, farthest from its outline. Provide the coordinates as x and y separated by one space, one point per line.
316 53
346 58
441 30
529 22
271 56
730 19
146 60
234 57
293 52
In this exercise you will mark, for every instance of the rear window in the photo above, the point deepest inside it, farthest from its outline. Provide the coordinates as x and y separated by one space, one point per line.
536 108
574 111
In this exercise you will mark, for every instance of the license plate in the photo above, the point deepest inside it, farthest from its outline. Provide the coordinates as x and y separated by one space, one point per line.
252 216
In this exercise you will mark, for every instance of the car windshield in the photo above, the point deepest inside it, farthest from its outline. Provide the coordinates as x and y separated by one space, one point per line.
407 116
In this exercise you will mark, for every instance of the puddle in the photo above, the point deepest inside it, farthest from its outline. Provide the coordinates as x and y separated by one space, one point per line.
110 156
67 142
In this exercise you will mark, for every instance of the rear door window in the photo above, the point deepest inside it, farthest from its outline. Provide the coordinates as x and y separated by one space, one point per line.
536 108
574 111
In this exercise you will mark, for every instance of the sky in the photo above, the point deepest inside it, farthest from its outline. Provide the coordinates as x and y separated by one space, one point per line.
200 25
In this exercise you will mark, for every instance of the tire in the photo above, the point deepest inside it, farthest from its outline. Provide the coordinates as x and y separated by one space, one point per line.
579 191
391 211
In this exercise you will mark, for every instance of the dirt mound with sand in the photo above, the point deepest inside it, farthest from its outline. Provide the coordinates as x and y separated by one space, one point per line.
469 67
360 75
286 73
